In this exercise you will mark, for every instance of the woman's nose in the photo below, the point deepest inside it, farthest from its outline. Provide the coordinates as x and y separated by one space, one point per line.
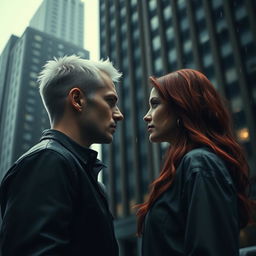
147 117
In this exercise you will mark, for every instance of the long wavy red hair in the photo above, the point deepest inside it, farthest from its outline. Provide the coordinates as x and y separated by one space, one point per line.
205 121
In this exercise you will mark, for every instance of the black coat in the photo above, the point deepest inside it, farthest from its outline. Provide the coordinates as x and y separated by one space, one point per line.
197 215
52 204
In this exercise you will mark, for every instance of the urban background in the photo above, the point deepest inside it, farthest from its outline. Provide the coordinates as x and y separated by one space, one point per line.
141 38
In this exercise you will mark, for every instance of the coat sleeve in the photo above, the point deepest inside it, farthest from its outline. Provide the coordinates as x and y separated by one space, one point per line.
211 222
38 206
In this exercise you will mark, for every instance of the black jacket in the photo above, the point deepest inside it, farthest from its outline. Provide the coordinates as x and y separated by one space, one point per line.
197 215
52 204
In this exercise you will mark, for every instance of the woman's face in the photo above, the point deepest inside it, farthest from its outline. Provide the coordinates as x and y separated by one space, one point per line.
161 120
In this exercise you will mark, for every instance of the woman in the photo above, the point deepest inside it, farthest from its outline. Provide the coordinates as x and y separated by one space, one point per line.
199 202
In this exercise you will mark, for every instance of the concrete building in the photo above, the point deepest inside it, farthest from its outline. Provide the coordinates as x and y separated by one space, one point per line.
155 37
22 114
61 18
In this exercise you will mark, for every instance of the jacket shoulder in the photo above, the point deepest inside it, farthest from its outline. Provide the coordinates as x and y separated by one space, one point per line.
46 149
205 162
201 158
46 146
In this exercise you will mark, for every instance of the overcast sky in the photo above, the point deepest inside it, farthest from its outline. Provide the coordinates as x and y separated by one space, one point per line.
16 14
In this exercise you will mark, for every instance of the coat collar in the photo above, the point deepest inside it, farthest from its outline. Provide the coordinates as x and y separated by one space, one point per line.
86 156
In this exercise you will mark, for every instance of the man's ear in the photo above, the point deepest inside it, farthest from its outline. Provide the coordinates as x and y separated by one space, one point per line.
76 98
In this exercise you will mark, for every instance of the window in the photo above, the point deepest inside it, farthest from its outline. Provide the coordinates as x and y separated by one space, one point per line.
36 52
207 59
156 43
152 5
27 126
167 12
154 23
187 46
31 92
36 45
38 38
169 33
61 46
33 75
31 101
231 75
34 68
199 13
27 136
35 60
172 56
243 134
226 49
29 118
158 64
135 17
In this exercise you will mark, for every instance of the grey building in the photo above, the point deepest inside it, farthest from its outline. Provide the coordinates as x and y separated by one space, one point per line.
156 37
22 114
61 18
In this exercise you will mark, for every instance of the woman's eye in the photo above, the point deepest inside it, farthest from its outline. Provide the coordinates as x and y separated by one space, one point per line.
154 104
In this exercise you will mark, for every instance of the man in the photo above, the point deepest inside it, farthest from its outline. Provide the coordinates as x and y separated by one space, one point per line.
51 202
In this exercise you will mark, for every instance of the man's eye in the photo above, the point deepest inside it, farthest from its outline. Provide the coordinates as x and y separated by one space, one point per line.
111 103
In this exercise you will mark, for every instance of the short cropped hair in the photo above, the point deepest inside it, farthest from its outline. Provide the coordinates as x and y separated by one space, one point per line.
60 75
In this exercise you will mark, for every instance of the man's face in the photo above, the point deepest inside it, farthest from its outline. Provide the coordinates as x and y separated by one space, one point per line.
101 114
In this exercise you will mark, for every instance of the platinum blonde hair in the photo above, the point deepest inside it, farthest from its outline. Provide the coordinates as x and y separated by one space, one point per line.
60 75
58 67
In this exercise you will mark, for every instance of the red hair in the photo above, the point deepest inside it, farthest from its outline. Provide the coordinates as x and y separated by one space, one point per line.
205 121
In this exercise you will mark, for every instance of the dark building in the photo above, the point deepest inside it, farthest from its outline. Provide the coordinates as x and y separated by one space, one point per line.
22 115
155 37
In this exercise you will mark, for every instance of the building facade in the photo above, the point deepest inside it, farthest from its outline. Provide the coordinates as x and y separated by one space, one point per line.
23 117
155 37
61 18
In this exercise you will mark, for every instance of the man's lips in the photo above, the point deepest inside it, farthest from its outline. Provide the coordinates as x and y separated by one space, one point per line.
112 128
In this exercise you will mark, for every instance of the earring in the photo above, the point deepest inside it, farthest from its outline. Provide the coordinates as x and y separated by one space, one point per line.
178 122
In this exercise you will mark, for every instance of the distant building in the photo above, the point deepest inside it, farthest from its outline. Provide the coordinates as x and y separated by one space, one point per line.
156 37
61 18
4 64
22 115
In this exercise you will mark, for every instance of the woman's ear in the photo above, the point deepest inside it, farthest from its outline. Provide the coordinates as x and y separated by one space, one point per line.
76 98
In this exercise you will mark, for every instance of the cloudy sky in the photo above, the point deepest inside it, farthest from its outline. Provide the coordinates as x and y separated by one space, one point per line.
16 14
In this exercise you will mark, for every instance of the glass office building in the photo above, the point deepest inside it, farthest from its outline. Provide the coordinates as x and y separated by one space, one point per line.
155 37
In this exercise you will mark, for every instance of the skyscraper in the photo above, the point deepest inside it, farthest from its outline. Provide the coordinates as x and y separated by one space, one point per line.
61 18
23 116
156 37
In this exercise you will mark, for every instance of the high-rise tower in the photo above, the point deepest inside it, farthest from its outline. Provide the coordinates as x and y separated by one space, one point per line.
23 116
61 18
155 37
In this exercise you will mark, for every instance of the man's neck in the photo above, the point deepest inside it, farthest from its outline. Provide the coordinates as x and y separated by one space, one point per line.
72 132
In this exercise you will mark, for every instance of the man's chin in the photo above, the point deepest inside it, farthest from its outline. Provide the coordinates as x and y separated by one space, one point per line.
106 140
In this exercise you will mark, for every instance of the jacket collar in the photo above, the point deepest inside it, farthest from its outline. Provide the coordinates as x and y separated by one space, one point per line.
86 156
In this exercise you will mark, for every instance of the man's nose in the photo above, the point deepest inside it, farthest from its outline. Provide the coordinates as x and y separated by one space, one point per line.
117 115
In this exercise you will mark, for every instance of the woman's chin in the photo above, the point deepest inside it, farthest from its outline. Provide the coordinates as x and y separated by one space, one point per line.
153 139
